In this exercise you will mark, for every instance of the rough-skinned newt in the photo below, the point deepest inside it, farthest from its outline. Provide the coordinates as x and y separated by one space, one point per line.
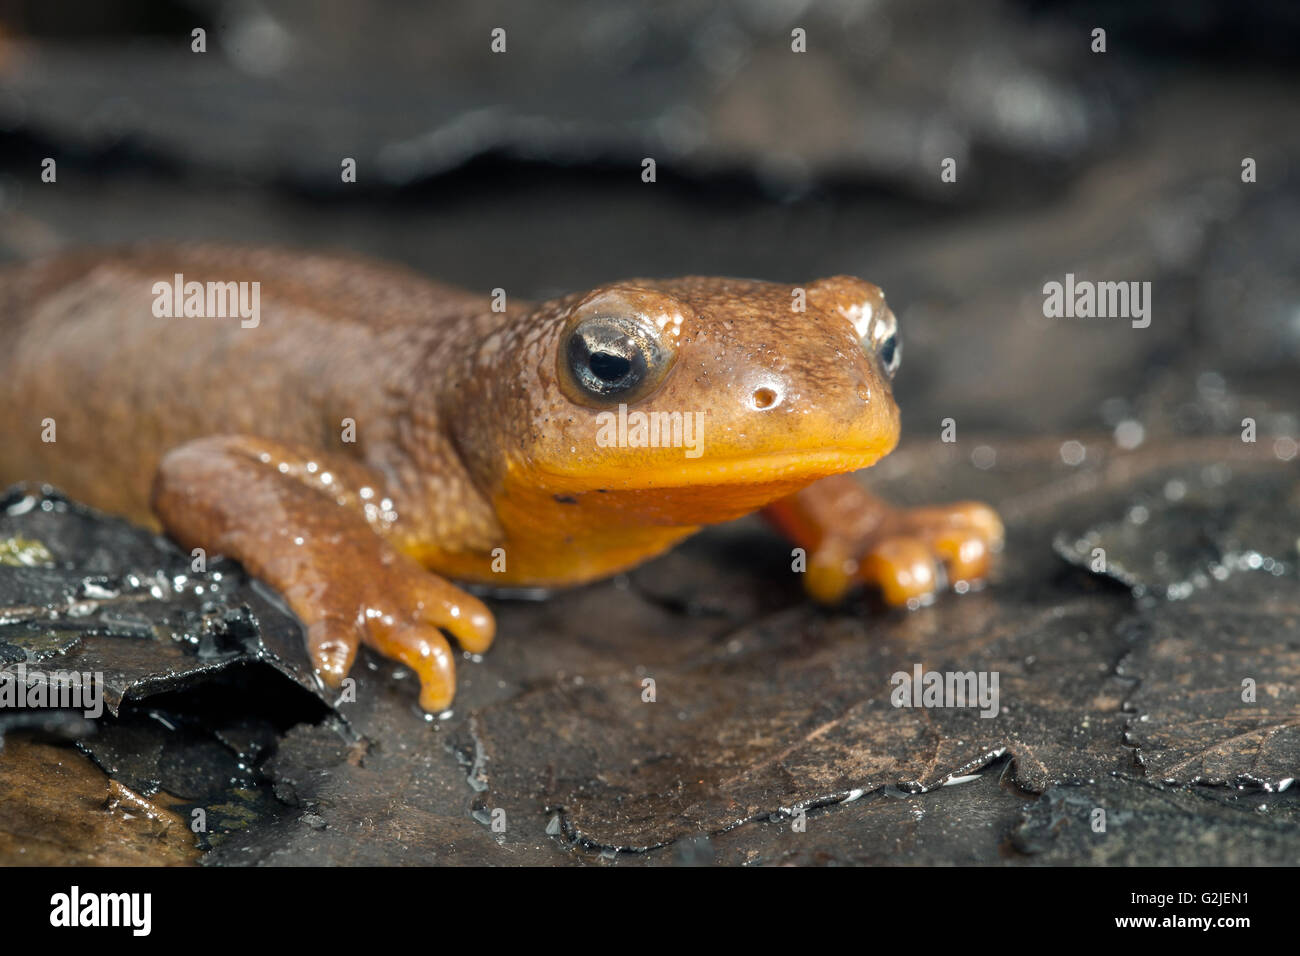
376 435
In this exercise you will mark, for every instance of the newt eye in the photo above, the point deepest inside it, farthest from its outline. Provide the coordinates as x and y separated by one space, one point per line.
611 357
882 338
890 354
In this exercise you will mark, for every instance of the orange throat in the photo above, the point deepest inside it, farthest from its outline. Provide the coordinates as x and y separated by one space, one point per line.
569 528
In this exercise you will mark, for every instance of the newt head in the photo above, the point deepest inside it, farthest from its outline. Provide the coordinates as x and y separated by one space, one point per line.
688 401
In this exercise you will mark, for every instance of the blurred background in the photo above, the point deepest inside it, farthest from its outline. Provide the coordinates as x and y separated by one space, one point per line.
522 169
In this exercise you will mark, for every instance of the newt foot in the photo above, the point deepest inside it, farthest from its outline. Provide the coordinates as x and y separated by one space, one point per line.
251 499
399 610
908 553
913 553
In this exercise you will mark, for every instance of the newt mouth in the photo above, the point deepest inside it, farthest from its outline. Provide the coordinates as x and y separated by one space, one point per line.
732 470
705 490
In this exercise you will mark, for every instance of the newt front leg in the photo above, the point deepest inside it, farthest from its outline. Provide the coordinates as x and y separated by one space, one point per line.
308 524
853 537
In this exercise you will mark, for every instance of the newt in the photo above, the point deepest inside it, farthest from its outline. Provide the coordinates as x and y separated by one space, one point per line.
376 436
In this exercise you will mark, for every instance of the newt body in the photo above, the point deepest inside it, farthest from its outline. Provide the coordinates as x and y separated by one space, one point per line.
475 449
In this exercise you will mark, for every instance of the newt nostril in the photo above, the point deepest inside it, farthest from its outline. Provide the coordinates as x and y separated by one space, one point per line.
765 397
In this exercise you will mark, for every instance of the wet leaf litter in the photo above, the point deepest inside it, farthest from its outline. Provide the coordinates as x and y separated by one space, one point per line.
765 706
